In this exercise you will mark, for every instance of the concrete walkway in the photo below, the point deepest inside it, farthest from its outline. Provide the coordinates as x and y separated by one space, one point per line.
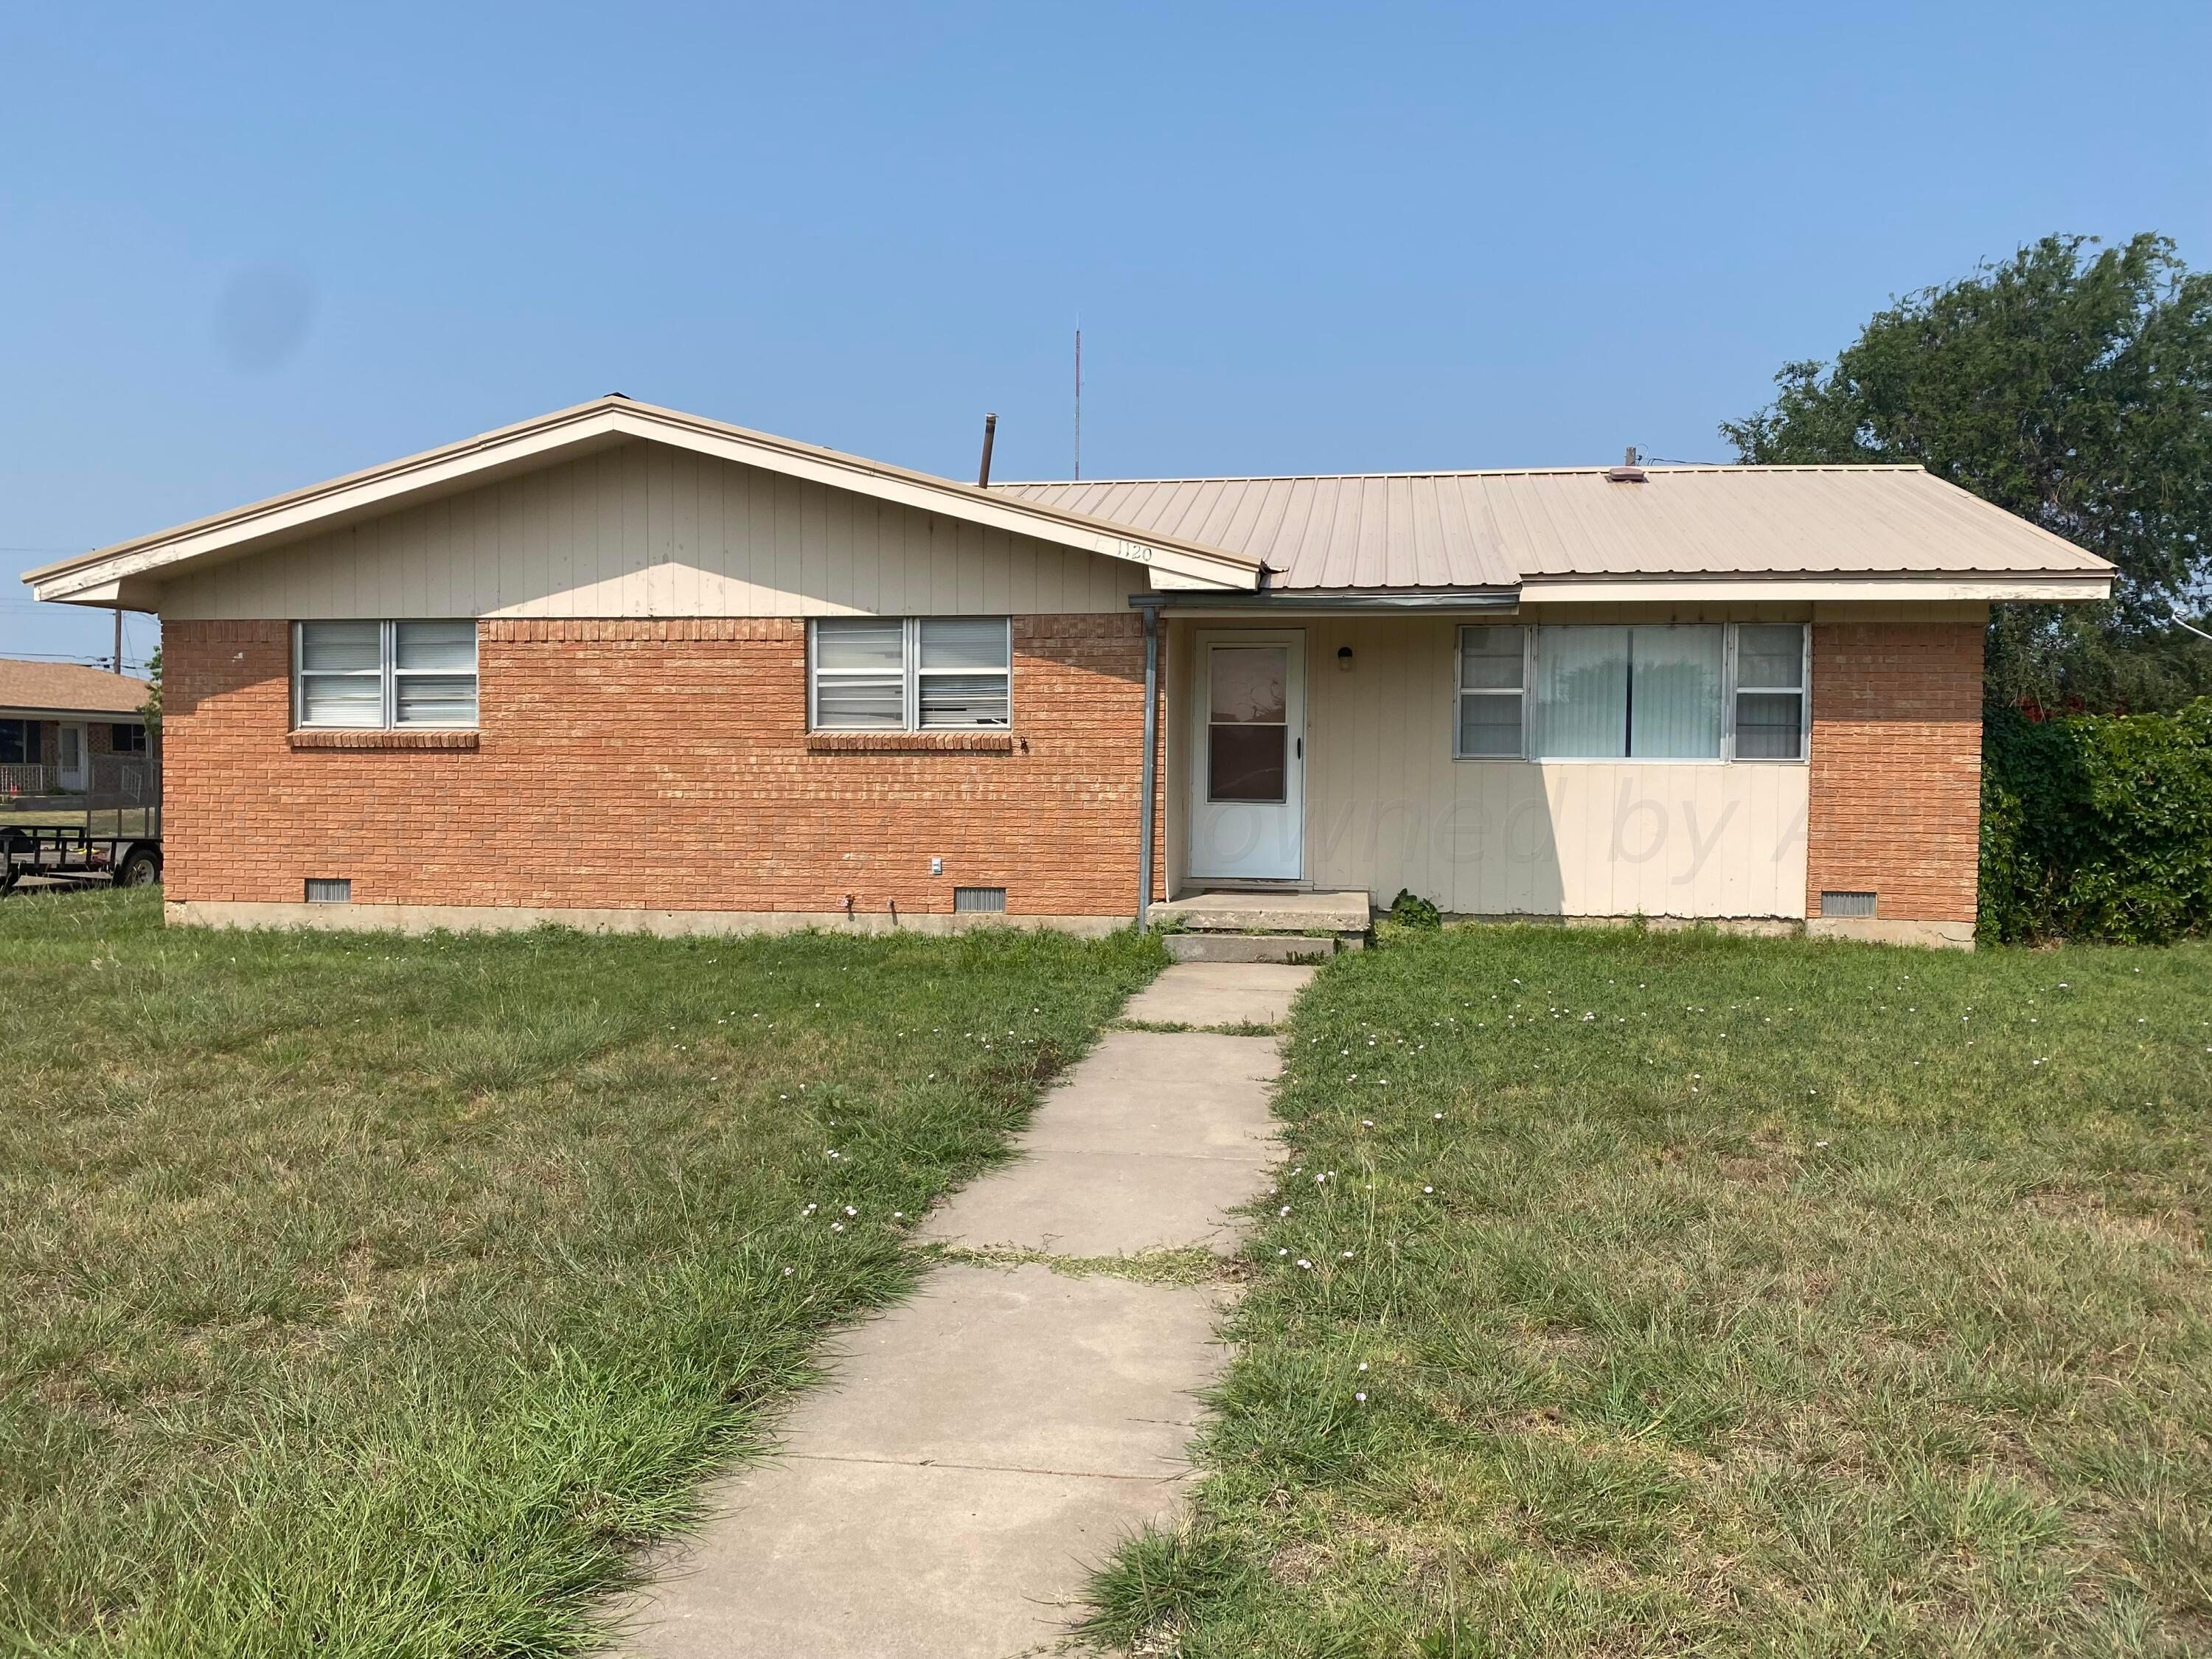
984 1446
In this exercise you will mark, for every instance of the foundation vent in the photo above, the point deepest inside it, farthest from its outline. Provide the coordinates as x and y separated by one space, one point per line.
979 898
1847 905
325 890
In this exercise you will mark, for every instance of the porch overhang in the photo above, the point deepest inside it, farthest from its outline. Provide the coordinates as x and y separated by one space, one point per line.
1314 601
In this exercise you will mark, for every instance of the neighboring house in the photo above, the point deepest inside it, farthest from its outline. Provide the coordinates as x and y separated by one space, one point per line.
623 667
60 721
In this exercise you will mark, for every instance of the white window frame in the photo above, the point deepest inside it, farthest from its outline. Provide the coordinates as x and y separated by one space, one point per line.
1803 691
1729 689
1460 693
388 674
912 674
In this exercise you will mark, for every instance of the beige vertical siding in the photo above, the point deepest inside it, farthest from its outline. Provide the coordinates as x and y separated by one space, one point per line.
1389 807
645 530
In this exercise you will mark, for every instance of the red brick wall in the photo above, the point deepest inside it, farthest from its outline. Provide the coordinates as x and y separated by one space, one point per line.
663 765
1897 766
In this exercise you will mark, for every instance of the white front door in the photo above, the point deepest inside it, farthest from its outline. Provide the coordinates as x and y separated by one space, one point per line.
69 763
1247 768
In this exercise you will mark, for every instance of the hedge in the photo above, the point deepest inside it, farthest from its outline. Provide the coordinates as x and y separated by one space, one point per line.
2097 826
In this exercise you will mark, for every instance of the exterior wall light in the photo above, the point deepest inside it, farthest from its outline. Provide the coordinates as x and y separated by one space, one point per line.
1344 658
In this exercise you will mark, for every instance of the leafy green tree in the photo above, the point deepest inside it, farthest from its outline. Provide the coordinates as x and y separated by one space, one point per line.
2075 389
151 708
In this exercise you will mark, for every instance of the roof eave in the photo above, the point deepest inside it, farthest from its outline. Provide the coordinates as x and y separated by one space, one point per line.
134 716
2046 586
1339 601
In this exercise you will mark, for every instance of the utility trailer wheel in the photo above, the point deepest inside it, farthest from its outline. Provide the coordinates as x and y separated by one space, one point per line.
141 867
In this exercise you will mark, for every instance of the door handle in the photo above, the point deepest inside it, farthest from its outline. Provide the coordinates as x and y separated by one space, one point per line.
1301 748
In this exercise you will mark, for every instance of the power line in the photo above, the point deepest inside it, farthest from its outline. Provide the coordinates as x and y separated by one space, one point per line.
91 661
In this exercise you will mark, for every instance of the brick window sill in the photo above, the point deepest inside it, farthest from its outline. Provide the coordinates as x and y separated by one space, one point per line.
357 739
909 743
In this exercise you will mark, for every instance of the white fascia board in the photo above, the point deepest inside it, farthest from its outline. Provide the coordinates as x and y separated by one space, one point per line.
2049 589
351 496
591 426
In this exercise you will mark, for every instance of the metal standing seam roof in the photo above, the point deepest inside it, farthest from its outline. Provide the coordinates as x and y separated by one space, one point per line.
1432 530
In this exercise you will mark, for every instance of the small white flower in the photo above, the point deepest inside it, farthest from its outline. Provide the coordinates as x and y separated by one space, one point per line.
1286 1210
787 1272
849 1210
1303 1262
1361 1398
1428 1189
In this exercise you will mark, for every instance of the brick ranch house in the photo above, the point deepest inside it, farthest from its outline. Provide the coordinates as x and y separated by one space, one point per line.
621 666
61 723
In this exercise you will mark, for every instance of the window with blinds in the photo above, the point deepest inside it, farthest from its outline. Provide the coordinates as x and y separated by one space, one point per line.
909 674
384 675
1661 691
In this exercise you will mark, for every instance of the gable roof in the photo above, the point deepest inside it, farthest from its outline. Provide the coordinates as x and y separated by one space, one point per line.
1503 529
69 688
122 572
1569 532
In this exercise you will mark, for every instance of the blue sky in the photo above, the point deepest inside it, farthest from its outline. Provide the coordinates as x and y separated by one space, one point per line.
246 248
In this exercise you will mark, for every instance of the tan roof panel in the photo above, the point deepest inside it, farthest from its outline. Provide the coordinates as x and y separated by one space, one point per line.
69 688
1448 530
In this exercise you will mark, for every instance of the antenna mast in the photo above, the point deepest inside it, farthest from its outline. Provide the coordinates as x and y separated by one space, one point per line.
1079 400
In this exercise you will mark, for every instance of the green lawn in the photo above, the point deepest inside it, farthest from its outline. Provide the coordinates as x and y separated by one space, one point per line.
362 1295
1715 1295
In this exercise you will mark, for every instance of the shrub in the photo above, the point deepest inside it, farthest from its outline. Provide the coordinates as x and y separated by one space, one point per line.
2097 826
1410 909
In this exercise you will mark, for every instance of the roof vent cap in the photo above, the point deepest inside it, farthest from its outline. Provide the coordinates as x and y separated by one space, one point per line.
1627 472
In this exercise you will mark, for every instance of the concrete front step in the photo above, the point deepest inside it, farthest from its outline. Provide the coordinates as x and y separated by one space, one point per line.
1266 912
1256 947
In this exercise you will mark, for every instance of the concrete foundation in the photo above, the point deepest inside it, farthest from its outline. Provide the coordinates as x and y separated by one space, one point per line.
1878 930
503 918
